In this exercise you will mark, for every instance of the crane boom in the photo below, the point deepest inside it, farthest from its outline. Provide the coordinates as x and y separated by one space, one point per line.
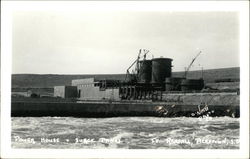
186 72
136 61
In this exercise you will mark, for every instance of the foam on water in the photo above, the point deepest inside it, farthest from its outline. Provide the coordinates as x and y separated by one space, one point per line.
125 132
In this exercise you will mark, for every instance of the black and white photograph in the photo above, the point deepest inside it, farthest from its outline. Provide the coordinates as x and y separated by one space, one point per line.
110 76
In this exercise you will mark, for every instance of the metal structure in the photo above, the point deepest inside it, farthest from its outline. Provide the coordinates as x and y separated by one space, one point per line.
173 83
161 69
192 84
133 76
145 79
144 71
150 78
188 68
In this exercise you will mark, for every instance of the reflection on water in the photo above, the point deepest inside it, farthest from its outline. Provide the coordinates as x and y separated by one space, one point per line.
125 132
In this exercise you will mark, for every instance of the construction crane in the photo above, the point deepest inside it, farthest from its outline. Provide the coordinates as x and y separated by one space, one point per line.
133 76
188 68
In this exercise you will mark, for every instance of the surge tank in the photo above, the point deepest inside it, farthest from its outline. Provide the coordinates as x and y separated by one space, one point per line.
161 68
145 71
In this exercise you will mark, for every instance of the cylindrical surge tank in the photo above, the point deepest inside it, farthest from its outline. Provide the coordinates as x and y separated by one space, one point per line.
144 72
192 84
173 83
161 68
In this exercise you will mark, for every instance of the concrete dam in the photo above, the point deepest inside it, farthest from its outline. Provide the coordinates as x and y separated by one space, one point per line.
147 90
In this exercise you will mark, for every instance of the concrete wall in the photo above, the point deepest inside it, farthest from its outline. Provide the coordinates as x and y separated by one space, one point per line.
196 98
112 93
70 91
19 94
94 93
224 85
88 89
59 91
115 109
65 91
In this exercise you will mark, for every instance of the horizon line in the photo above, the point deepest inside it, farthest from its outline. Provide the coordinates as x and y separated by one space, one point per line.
109 73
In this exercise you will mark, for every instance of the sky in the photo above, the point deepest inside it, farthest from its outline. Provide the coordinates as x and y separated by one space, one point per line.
108 42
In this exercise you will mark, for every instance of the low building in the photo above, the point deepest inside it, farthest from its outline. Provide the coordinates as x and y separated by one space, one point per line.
92 89
65 91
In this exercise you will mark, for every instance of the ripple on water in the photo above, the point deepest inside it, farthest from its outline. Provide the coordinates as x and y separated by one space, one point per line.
133 132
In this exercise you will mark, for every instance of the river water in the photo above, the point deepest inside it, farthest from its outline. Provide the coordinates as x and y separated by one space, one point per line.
125 133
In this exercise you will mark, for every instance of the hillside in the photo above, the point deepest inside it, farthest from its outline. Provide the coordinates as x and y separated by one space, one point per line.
213 74
51 80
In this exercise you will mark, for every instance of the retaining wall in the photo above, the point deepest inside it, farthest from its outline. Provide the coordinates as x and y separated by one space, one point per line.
106 109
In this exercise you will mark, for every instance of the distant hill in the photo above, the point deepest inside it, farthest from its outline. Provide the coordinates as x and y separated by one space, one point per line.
51 80
213 74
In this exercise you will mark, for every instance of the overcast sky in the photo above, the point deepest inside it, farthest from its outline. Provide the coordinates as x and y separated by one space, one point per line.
108 42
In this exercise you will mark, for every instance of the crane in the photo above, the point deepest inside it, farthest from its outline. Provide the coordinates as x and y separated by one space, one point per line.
133 75
186 71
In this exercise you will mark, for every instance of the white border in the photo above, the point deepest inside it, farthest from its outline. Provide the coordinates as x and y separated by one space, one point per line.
7 9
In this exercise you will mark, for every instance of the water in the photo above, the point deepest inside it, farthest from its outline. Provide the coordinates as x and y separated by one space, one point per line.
125 133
